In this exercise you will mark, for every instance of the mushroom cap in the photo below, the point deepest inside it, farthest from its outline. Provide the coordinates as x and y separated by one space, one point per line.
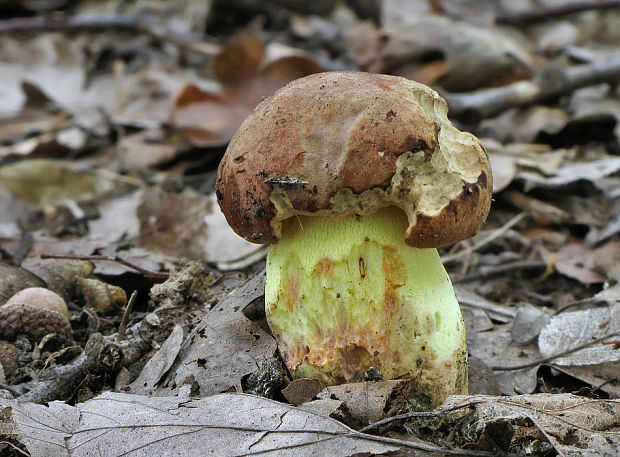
34 312
343 143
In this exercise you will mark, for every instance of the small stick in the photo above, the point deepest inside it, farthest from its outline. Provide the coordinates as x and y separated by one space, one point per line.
542 212
496 234
157 275
142 24
123 326
556 356
485 272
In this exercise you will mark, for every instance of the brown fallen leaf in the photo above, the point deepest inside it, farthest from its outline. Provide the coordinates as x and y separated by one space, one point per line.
185 224
208 118
586 265
60 275
371 401
302 390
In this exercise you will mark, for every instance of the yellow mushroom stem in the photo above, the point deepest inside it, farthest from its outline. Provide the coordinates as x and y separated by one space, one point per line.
344 294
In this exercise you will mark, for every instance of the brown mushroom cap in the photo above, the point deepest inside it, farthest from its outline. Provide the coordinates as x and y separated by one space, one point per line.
350 143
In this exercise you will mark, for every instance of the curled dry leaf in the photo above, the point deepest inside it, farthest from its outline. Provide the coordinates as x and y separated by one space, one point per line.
159 364
103 297
209 118
586 265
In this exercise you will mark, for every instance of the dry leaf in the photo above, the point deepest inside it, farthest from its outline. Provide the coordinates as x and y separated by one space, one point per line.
114 424
568 330
13 279
574 426
43 181
210 118
223 347
186 224
158 364
588 266
369 402
496 348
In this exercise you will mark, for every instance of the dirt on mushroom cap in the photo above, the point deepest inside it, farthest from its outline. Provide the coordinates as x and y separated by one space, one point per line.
343 142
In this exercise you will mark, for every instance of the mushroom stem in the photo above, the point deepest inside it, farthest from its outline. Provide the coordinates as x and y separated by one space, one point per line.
344 294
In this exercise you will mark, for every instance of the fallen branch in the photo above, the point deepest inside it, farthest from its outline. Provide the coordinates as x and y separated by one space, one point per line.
551 83
531 16
102 355
193 43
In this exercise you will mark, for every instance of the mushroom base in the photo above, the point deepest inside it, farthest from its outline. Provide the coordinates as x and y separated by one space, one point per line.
346 295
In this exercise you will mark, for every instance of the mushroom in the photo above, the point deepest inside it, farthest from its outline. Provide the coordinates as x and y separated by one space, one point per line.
34 313
355 179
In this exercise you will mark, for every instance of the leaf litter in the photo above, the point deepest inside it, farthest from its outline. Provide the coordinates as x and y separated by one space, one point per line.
114 118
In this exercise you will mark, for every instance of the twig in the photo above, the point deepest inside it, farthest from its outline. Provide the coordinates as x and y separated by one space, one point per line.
157 275
496 234
142 24
15 448
555 356
123 325
59 383
542 212
102 355
584 301
551 83
485 272
413 414
473 300
543 14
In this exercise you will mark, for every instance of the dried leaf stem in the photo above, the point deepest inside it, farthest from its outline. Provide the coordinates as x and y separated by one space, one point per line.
156 275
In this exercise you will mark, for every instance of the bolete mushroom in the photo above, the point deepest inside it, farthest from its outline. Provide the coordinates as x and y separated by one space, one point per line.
355 179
